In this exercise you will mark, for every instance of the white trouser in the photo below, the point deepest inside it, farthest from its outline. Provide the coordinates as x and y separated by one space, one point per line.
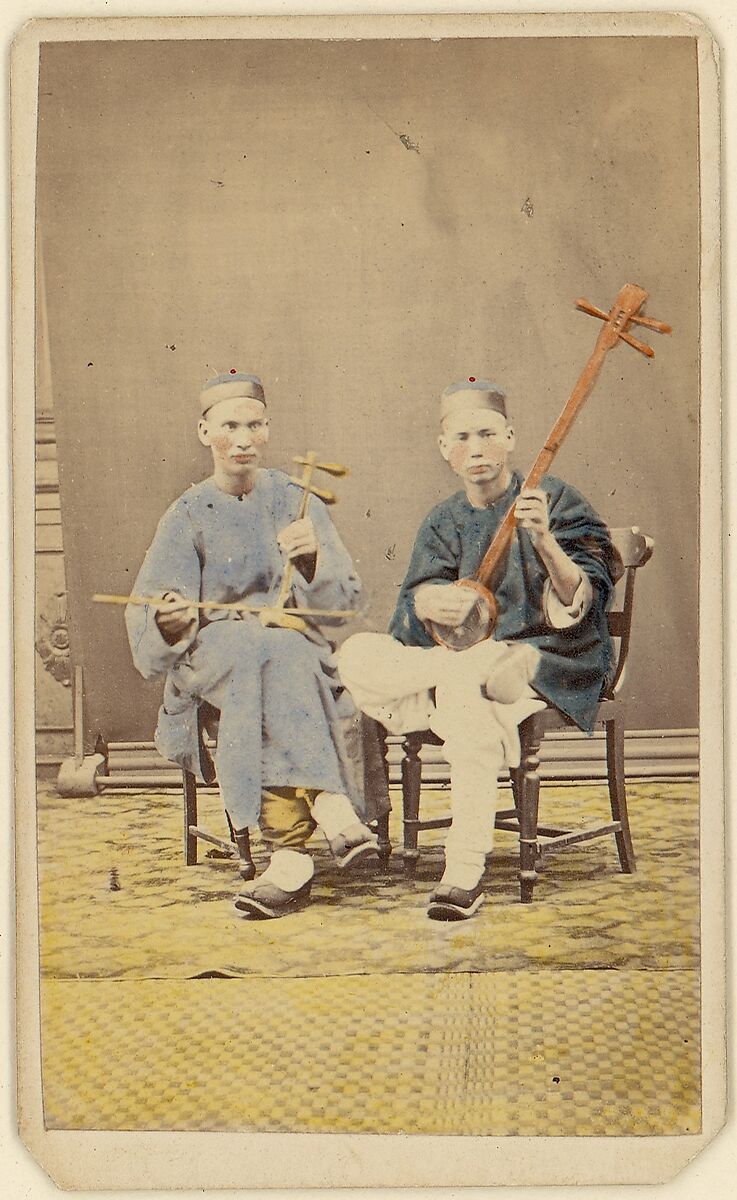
391 683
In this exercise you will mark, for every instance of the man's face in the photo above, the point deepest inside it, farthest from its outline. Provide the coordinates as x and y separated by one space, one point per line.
477 443
236 432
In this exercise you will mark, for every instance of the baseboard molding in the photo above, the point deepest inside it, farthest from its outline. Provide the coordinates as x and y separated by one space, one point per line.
649 754
566 757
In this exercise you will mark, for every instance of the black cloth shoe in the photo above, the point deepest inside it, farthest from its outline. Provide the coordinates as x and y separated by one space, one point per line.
454 903
265 901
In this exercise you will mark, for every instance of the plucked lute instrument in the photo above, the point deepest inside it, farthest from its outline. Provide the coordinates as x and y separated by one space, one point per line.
480 622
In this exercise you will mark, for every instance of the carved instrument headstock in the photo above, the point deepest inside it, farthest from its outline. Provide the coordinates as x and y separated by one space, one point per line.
623 313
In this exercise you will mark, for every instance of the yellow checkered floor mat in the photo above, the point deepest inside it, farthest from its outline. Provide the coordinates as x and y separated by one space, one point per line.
526 1052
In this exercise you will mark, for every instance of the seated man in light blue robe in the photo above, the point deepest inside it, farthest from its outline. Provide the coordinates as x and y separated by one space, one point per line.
280 758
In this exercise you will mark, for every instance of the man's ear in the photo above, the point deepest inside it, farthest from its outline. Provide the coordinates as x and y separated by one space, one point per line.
510 438
203 433
444 447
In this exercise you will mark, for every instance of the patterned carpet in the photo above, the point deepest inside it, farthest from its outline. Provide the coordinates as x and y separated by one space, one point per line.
117 901
359 1014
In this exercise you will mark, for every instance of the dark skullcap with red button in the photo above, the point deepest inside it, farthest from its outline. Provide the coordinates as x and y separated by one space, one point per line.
472 393
232 385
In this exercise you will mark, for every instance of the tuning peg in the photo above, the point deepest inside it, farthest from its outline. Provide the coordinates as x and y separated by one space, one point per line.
647 350
331 468
592 310
651 323
322 493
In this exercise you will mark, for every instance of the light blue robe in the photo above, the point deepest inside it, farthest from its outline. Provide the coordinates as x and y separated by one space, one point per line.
276 688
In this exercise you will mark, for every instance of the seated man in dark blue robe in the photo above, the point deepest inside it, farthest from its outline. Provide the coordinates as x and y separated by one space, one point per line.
550 645
281 755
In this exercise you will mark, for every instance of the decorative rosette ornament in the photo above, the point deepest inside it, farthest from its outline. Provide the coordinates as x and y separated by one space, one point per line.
52 640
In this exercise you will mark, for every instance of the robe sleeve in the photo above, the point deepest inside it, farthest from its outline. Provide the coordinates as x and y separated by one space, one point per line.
435 558
172 564
335 584
585 538
565 616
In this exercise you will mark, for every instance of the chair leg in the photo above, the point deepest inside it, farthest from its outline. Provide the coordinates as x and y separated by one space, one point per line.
246 865
618 793
411 785
385 846
189 788
516 780
382 821
527 805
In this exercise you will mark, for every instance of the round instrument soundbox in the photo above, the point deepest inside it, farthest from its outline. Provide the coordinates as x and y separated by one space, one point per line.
478 625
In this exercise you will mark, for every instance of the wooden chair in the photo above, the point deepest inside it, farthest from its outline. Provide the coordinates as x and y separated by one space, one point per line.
537 841
375 777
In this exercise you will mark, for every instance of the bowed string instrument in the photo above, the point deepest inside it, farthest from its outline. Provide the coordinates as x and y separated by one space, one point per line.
480 622
281 614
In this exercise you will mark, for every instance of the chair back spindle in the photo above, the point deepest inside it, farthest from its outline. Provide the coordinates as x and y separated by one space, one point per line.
635 549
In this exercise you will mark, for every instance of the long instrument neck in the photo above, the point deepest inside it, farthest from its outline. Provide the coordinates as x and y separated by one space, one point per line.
495 555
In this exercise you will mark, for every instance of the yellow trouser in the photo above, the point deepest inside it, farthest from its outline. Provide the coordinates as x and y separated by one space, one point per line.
286 816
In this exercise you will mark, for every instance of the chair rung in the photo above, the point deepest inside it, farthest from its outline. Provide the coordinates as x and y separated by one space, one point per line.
437 823
204 836
583 835
511 825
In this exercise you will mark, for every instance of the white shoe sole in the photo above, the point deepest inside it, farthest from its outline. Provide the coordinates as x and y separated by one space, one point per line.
362 851
443 910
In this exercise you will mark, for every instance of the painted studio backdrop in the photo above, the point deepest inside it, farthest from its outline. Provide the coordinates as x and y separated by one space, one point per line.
362 223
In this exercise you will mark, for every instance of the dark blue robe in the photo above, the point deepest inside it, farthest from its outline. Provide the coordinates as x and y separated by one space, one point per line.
574 662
